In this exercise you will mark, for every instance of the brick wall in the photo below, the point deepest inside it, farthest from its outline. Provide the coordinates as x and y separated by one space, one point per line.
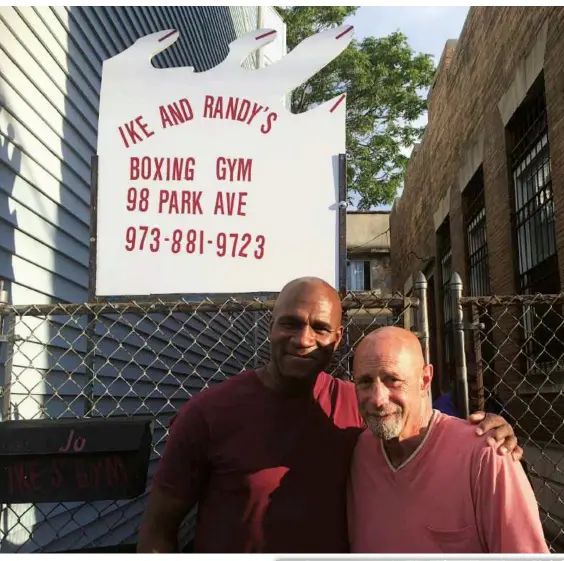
469 104
473 76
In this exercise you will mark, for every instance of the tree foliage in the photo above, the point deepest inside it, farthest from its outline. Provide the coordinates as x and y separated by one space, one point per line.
385 82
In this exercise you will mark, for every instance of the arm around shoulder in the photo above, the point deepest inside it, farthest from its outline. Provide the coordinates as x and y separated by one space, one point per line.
507 512
178 483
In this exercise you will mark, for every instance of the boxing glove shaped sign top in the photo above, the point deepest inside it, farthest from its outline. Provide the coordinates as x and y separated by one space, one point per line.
207 183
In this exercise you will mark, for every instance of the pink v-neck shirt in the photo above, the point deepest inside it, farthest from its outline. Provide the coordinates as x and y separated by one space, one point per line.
453 495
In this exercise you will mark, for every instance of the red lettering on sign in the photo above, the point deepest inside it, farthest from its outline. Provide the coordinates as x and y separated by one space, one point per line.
17 478
236 246
208 106
233 169
81 475
98 474
137 199
176 113
161 169
144 127
232 107
238 109
218 110
56 474
180 202
143 238
271 118
115 471
64 472
129 131
230 203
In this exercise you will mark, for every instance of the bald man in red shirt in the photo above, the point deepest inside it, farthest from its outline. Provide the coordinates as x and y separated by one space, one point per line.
421 482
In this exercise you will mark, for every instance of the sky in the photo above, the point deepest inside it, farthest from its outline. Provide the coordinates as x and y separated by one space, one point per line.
427 27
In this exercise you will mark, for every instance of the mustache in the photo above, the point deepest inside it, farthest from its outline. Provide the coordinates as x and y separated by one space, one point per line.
383 412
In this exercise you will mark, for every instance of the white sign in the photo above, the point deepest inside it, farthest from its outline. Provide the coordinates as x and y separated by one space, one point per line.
207 183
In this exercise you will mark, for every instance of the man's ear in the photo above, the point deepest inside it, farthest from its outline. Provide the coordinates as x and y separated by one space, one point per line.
427 378
339 334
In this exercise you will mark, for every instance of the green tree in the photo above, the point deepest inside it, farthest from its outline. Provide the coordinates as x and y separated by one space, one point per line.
385 82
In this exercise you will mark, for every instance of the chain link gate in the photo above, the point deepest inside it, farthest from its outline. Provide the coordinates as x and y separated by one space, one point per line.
134 358
510 361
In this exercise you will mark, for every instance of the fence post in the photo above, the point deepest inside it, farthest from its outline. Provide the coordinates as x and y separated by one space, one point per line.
420 291
8 333
459 348
256 317
478 357
90 330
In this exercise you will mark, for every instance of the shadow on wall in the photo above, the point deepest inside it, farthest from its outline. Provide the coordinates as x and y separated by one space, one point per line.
95 34
10 162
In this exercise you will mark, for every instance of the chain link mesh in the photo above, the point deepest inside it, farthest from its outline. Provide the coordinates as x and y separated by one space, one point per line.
136 358
516 369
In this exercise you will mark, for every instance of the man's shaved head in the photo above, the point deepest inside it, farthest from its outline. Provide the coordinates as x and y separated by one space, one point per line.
305 331
392 382
304 285
397 338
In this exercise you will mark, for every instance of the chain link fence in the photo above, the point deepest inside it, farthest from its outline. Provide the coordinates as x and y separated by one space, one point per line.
514 360
143 358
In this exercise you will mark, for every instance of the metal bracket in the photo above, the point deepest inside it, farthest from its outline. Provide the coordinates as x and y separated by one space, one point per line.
464 326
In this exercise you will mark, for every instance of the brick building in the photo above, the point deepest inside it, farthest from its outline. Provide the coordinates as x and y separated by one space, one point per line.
484 191
484 197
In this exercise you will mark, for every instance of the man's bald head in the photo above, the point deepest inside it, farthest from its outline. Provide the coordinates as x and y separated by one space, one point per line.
392 382
305 329
393 339
306 286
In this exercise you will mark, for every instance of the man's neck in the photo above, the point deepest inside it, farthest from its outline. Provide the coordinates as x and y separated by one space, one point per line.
400 449
291 387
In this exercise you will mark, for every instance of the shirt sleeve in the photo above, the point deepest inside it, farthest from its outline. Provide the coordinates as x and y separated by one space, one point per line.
183 469
507 512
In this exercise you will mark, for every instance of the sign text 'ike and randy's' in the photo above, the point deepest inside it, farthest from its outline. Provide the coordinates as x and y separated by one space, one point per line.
207 183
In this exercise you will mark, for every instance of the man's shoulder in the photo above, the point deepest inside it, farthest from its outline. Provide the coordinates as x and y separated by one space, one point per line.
239 384
460 434
343 390
228 392
333 383
340 396
454 425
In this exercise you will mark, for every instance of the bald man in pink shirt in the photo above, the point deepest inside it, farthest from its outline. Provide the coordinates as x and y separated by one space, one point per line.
420 481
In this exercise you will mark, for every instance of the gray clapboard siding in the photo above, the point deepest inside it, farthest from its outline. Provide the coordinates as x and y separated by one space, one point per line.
50 72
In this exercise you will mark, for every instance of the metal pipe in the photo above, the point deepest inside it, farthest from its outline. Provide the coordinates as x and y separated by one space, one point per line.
420 290
459 347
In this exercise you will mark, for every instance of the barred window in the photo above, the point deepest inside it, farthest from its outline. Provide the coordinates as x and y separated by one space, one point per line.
533 221
533 214
445 262
474 209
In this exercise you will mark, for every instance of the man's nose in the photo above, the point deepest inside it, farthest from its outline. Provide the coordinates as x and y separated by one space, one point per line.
304 337
380 395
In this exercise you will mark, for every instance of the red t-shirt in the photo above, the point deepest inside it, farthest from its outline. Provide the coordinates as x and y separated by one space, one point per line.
268 472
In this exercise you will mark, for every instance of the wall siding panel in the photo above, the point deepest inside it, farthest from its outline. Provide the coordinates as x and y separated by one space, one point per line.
50 74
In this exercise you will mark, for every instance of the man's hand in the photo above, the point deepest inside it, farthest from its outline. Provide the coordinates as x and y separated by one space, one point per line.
503 437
